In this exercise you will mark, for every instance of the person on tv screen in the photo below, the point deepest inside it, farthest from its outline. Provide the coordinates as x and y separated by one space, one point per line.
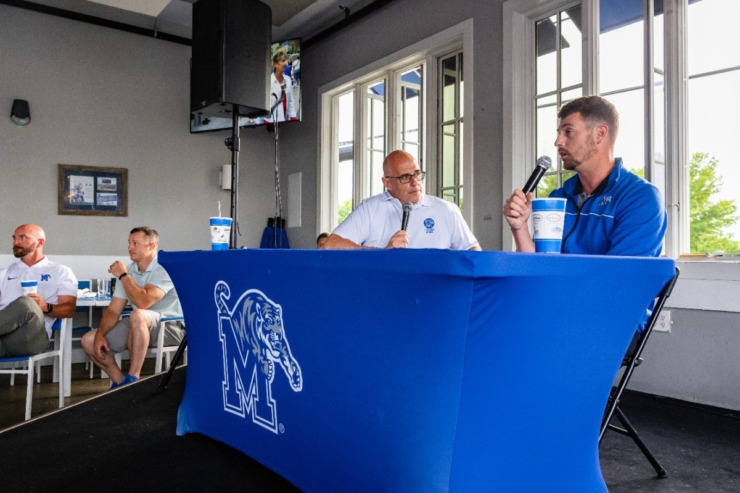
281 91
403 216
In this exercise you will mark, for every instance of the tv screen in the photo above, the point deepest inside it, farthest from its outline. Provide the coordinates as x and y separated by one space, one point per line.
285 92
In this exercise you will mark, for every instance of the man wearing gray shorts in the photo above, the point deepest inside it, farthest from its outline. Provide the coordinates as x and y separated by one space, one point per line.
147 286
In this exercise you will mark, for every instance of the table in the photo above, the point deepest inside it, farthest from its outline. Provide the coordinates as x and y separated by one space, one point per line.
81 302
409 370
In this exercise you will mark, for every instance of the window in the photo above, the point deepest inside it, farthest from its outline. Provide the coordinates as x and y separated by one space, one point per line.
450 177
712 125
559 78
395 106
677 134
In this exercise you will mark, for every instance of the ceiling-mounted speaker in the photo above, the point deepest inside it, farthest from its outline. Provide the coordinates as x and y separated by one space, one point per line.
230 58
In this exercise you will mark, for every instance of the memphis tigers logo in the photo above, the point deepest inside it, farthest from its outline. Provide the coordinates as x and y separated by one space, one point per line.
254 342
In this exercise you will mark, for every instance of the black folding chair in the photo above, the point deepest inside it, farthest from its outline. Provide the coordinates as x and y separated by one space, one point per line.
632 360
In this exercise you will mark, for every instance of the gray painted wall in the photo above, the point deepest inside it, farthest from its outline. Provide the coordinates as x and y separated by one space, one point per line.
107 98
102 97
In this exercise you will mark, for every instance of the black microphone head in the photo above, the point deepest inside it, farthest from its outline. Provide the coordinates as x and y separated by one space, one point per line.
407 206
544 162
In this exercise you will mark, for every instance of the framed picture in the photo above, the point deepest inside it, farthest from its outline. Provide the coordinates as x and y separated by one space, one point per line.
93 190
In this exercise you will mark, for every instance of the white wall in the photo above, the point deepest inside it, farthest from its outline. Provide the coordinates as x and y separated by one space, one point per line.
106 98
103 97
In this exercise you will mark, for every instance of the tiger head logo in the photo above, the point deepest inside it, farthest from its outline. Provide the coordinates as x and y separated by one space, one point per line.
254 342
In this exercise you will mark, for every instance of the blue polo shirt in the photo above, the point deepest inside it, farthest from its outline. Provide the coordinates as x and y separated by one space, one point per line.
624 216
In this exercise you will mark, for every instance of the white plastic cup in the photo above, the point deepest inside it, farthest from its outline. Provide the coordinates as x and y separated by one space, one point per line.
548 219
220 233
30 287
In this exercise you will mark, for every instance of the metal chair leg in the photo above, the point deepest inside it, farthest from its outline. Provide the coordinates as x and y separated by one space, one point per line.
630 431
175 360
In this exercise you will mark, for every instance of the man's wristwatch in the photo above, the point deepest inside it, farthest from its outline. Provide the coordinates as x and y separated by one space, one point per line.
49 308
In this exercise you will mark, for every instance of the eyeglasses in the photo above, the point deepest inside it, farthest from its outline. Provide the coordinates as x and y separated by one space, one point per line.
418 176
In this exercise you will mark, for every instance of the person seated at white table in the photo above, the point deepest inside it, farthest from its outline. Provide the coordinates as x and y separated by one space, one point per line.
149 289
376 222
26 320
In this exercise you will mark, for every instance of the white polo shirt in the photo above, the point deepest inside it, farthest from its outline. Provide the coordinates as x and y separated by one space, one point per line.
54 280
433 223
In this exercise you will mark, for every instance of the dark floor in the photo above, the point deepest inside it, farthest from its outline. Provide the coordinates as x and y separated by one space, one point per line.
45 396
698 446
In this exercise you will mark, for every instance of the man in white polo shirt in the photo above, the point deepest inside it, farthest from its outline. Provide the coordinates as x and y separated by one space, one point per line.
376 222
26 320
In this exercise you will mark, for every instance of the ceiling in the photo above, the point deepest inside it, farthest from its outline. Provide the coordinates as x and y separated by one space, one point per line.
290 18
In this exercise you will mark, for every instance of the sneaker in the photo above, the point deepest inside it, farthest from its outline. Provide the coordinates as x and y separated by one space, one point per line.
127 379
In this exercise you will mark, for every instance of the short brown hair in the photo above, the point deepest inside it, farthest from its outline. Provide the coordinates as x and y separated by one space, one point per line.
593 109
150 233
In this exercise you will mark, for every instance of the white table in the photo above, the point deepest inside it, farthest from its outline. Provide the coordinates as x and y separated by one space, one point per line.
81 302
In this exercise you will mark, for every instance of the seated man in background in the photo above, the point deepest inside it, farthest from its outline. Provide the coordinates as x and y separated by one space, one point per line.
321 240
149 289
26 320
376 222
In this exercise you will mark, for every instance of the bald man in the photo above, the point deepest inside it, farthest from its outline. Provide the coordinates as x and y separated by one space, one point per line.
26 320
376 222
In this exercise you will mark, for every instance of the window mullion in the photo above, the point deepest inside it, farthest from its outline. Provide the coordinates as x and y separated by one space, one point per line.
676 193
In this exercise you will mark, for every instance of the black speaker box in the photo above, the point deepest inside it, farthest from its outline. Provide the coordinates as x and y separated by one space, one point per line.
230 65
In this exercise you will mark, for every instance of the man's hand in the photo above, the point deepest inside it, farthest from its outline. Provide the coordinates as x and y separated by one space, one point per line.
399 240
117 268
41 302
517 209
101 346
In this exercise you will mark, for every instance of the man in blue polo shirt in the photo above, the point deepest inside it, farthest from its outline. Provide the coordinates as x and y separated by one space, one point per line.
609 210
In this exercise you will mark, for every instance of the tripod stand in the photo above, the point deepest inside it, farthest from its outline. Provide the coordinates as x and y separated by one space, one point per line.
173 365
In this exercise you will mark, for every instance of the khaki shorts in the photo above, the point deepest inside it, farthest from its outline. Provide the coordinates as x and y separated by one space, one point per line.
118 336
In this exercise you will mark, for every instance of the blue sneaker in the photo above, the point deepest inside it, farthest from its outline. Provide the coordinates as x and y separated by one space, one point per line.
127 379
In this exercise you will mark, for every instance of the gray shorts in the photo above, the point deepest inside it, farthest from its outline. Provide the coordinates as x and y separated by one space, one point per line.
118 336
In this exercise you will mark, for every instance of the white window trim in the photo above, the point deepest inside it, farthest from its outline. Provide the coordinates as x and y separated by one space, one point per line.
425 49
519 81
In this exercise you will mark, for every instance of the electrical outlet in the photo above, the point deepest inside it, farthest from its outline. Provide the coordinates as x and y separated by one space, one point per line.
664 322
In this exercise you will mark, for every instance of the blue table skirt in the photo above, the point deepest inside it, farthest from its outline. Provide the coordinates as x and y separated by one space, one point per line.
409 370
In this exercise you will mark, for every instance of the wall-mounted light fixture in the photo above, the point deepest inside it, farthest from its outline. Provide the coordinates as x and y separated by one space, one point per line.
20 114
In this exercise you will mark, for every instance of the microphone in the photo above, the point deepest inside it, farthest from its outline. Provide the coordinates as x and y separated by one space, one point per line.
407 207
277 102
543 164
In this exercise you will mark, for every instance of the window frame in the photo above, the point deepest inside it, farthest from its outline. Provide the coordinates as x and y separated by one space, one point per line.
424 52
519 110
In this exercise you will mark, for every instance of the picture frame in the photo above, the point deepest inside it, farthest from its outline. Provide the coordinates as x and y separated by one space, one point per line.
92 190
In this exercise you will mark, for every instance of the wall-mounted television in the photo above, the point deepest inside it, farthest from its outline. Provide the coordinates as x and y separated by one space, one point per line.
285 92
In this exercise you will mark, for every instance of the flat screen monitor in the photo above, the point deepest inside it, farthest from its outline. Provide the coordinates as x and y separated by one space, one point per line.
285 92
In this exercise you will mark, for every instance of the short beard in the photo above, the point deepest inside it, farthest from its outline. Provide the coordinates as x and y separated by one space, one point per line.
19 253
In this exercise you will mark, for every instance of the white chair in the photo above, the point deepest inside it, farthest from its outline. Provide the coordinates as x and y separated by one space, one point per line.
61 330
161 350
161 353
